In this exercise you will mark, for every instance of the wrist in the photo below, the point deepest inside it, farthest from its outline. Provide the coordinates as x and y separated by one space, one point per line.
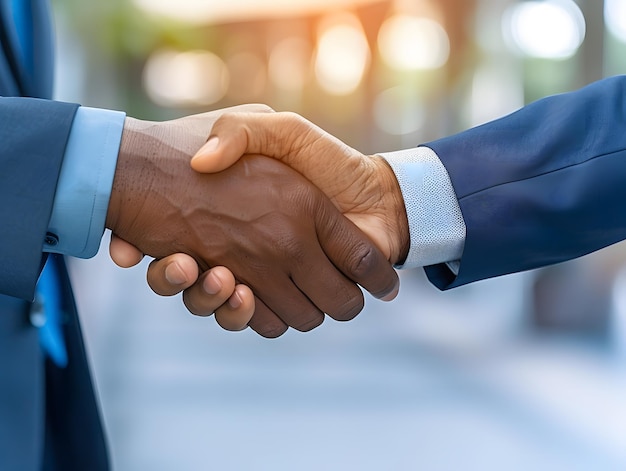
396 217
150 184
125 172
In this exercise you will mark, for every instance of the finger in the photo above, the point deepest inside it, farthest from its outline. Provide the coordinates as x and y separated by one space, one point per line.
272 134
329 289
279 293
219 154
213 289
124 254
332 293
352 252
171 275
235 314
265 322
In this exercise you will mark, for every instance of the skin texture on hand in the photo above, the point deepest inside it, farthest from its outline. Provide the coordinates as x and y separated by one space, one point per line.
215 291
275 231
363 188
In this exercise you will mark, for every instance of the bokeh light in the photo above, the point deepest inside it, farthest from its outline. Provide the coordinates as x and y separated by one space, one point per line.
615 18
205 11
397 112
551 29
192 78
342 54
524 371
409 42
289 63
248 76
496 91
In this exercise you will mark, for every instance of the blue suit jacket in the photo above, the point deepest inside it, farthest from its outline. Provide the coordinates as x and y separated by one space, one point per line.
540 186
543 185
49 417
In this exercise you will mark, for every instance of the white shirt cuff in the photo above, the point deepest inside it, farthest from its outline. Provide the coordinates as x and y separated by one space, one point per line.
83 191
436 226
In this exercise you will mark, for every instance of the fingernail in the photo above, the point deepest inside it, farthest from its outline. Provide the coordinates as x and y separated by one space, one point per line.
391 296
235 300
174 274
212 284
209 146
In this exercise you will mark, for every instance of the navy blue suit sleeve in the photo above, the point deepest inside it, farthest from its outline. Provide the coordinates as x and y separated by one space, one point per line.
33 136
540 186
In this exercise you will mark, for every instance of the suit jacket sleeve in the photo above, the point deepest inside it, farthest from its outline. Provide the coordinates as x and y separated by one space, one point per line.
541 186
33 136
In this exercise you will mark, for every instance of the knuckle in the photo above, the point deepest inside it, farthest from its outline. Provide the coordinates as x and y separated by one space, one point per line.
263 108
296 119
300 124
361 262
291 116
291 243
224 120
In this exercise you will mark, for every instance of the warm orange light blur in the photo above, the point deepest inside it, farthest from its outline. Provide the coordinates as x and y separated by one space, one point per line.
342 54
289 63
248 76
206 11
192 78
410 43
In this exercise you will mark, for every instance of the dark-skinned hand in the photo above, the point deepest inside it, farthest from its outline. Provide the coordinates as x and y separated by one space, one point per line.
276 232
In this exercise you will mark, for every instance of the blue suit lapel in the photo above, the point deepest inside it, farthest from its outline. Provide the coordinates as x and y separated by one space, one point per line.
17 77
43 50
8 84
10 75
71 436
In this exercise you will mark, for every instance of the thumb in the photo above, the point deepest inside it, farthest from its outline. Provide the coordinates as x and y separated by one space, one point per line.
228 142
282 136
218 154
124 254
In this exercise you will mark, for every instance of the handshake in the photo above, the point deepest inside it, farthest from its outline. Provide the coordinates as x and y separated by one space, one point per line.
270 223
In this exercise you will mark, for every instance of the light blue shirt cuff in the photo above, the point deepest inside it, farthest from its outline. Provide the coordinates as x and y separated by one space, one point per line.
436 226
84 187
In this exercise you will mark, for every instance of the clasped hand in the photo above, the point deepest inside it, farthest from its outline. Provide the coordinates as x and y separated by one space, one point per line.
277 233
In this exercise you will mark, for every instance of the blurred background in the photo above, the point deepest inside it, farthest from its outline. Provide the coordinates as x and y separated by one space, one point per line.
524 372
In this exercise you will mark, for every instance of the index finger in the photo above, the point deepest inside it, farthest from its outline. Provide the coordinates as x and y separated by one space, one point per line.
354 254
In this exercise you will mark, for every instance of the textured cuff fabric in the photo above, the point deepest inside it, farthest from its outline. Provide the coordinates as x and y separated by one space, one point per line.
436 226
84 188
